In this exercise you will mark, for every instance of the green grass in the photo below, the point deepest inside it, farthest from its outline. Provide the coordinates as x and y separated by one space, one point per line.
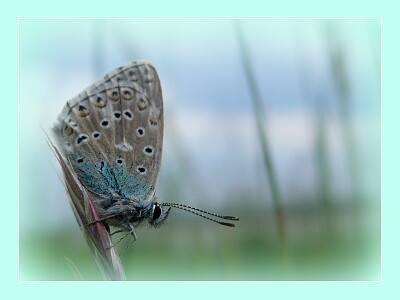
186 249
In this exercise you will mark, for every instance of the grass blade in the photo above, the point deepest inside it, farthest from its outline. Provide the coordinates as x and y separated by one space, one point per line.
260 117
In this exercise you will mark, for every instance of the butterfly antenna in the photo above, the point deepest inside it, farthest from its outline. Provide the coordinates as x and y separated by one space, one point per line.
193 211
200 210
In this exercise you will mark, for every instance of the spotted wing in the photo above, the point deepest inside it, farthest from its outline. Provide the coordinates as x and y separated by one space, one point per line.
112 133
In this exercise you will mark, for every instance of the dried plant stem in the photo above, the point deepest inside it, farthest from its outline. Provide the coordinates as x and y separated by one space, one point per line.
96 234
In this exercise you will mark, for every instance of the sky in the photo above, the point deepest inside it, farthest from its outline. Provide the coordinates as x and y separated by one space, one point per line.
210 130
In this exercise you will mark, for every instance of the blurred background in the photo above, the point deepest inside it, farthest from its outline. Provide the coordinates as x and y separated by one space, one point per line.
274 121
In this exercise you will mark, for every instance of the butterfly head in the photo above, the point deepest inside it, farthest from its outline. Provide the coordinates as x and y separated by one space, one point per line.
158 215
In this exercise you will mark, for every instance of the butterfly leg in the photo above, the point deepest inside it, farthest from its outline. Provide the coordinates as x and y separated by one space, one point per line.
105 218
124 236
117 231
131 232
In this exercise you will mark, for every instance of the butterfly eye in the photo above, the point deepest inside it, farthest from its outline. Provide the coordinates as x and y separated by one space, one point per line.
156 212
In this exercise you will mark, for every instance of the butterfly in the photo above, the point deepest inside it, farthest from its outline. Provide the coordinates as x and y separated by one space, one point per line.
109 140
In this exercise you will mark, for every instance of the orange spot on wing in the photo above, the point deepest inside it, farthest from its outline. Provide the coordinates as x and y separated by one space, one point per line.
114 95
84 113
126 94
69 131
142 106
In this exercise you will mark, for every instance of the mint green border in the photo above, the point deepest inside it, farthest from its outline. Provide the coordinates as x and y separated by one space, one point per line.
229 290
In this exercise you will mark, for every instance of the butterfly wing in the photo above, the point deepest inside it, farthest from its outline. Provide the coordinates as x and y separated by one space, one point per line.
112 132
